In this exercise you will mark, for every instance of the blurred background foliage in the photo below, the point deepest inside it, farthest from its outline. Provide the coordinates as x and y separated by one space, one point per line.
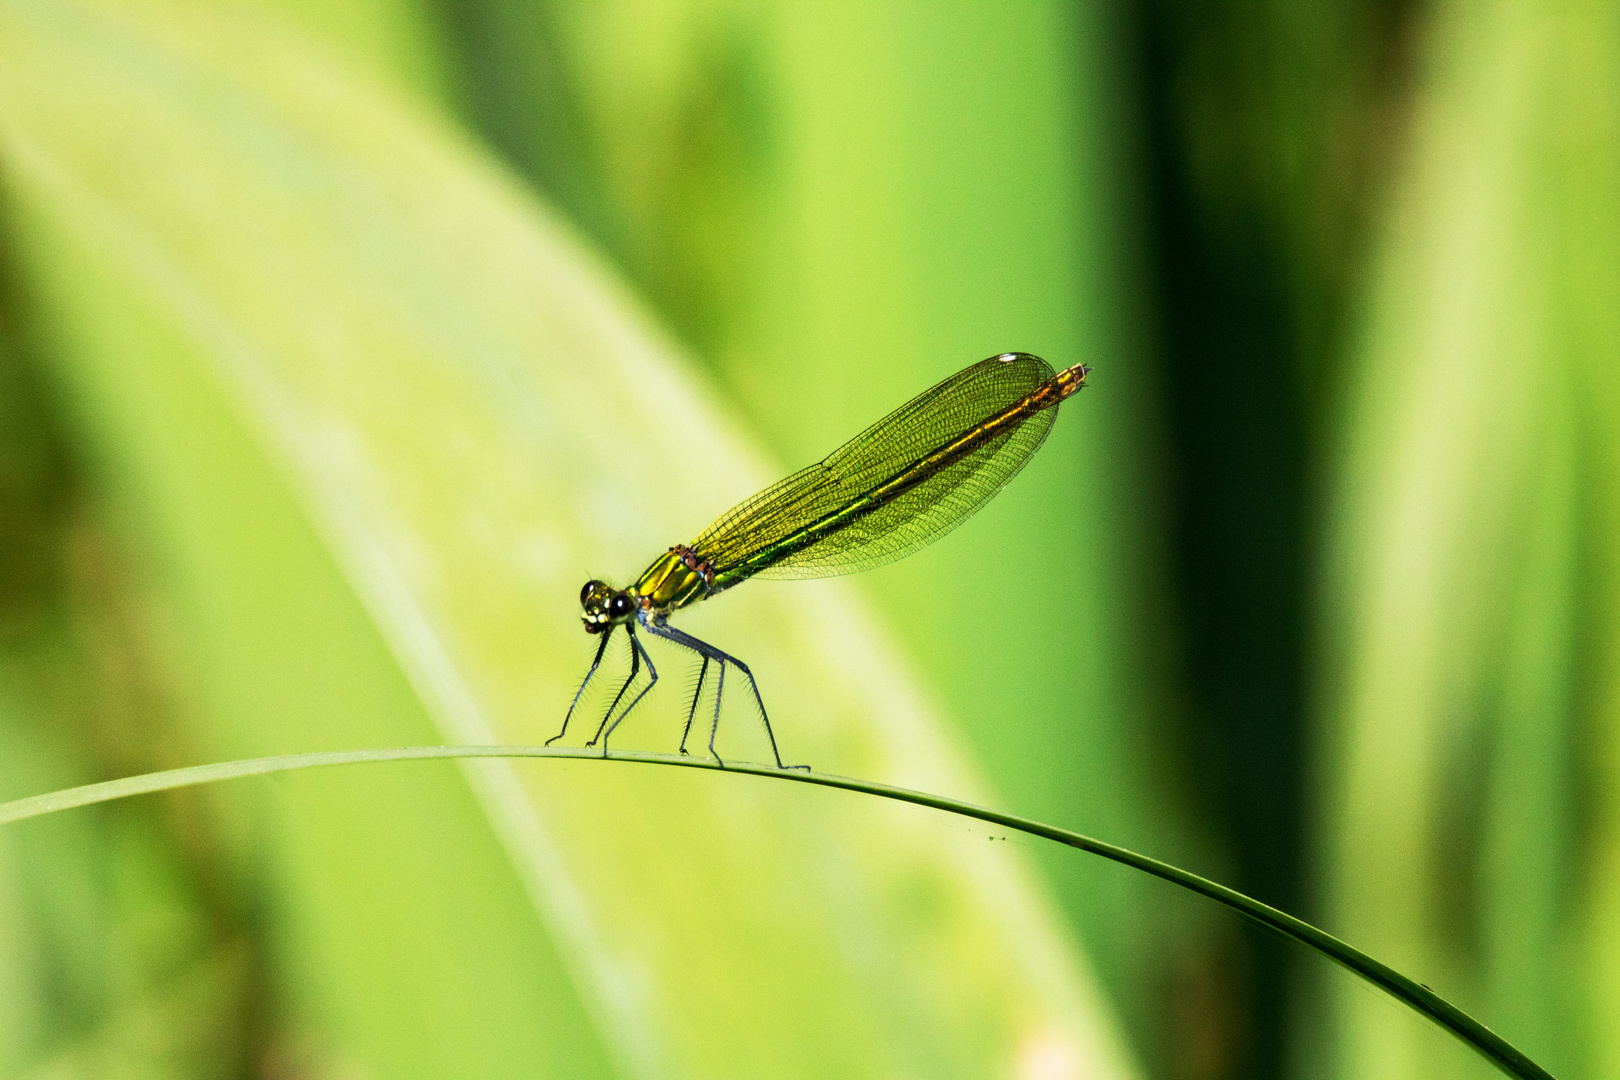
1314 592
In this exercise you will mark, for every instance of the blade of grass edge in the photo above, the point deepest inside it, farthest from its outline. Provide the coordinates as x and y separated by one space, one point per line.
1420 998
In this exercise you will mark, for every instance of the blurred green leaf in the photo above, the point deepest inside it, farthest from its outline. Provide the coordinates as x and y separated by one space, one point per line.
309 329
1471 637
122 950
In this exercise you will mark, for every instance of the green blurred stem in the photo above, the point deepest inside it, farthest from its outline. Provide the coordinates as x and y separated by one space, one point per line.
1496 1049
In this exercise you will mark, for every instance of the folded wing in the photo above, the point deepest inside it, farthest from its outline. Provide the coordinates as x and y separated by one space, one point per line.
774 533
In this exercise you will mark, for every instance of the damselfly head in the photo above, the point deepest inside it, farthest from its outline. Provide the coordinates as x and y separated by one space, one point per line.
604 606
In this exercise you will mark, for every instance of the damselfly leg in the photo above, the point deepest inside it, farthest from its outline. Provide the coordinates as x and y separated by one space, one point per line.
638 652
604 729
595 663
697 695
709 652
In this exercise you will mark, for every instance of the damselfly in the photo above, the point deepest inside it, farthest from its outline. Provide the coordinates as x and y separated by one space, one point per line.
897 486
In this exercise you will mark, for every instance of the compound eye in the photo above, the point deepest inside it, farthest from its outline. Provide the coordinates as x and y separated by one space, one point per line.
619 606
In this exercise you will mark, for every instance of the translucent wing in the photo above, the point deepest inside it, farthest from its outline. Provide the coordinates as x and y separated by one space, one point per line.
765 535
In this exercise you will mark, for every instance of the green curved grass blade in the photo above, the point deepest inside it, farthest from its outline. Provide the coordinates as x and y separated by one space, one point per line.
1425 1001
265 272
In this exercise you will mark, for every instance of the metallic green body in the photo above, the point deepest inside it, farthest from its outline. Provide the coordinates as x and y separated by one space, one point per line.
669 584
